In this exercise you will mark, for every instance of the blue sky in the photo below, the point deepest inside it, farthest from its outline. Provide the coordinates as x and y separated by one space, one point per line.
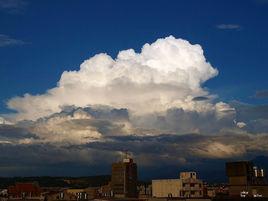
111 104
59 35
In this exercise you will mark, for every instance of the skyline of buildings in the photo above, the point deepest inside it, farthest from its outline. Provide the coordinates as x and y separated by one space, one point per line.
245 180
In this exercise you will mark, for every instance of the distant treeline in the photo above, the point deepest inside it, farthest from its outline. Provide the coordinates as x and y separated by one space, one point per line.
46 181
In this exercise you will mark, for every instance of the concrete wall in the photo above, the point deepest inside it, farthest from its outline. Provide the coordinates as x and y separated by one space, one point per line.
238 180
166 188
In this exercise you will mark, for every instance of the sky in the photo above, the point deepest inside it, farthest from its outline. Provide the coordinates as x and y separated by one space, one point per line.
181 82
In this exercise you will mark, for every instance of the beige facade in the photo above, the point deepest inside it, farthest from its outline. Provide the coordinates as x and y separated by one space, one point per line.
191 188
166 188
188 186
75 191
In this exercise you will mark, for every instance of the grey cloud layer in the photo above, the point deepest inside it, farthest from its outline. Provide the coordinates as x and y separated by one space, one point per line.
149 151
62 143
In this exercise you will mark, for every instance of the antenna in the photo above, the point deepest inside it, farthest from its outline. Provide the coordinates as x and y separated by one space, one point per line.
126 157
126 154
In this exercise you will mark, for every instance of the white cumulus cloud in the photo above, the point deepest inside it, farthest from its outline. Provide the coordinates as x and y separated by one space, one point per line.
167 73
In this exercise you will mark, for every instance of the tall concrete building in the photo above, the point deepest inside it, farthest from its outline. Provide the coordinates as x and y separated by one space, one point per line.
240 173
124 178
246 180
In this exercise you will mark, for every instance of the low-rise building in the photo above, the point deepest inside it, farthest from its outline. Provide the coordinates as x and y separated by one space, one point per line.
145 190
166 188
25 191
191 186
106 191
73 194
187 186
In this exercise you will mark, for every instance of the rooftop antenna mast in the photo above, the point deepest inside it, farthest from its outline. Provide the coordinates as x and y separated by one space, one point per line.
126 154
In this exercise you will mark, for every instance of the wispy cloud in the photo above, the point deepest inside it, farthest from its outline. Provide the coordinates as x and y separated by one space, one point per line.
13 6
8 41
261 94
229 26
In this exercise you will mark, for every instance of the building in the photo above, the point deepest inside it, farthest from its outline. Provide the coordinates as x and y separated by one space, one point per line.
59 195
240 173
78 194
187 186
25 191
145 190
246 180
166 188
191 186
69 194
124 178
105 190
215 190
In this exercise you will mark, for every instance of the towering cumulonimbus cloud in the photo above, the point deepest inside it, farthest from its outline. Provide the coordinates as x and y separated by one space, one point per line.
167 73
151 103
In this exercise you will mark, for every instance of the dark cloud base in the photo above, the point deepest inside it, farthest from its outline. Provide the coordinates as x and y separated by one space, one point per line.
162 145
157 157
